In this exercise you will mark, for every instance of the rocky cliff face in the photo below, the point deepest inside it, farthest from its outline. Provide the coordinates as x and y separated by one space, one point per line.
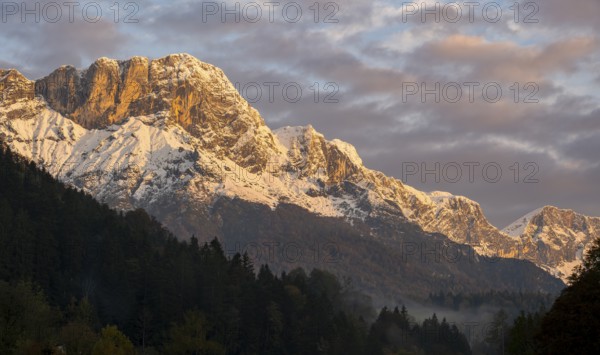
195 95
173 136
14 87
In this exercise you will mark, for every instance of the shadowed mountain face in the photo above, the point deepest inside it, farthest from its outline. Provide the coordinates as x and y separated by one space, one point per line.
399 260
173 136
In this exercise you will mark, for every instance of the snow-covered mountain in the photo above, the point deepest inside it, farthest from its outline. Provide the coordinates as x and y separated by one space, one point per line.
173 136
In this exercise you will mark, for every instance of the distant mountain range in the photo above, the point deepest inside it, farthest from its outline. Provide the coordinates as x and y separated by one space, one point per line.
173 136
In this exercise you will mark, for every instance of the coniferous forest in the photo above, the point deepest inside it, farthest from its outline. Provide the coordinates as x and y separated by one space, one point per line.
79 278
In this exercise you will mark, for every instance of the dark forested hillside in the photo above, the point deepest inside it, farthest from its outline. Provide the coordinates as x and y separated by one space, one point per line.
79 278
572 325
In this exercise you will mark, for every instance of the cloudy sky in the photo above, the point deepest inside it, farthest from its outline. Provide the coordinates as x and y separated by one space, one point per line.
468 92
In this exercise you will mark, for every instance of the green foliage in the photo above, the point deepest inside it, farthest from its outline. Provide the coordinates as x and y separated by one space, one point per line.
27 322
113 342
190 337
521 335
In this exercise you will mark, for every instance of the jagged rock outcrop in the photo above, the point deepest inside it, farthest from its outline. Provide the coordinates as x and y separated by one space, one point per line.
311 155
63 90
16 92
173 136
14 87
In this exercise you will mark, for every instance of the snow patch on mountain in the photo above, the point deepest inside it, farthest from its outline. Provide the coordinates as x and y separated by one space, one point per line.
517 228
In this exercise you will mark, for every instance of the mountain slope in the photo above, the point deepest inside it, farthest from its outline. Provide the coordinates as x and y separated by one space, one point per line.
173 136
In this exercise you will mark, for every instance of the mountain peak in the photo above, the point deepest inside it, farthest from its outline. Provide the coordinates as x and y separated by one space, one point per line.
106 60
516 228
311 154
181 57
14 86
4 73
553 209
540 217
178 88
561 234
289 135
110 90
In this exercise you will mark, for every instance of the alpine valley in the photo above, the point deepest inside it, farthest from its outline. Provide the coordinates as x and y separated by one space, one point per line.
174 137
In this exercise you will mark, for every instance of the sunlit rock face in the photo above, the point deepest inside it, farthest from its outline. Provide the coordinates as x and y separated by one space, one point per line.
193 94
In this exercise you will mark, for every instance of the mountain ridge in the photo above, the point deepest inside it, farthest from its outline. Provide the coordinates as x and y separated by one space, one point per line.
136 132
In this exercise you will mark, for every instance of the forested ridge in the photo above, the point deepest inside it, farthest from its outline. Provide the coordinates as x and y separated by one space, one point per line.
77 277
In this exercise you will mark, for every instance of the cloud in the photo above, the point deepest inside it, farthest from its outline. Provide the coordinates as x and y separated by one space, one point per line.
505 60
40 46
570 14
7 65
